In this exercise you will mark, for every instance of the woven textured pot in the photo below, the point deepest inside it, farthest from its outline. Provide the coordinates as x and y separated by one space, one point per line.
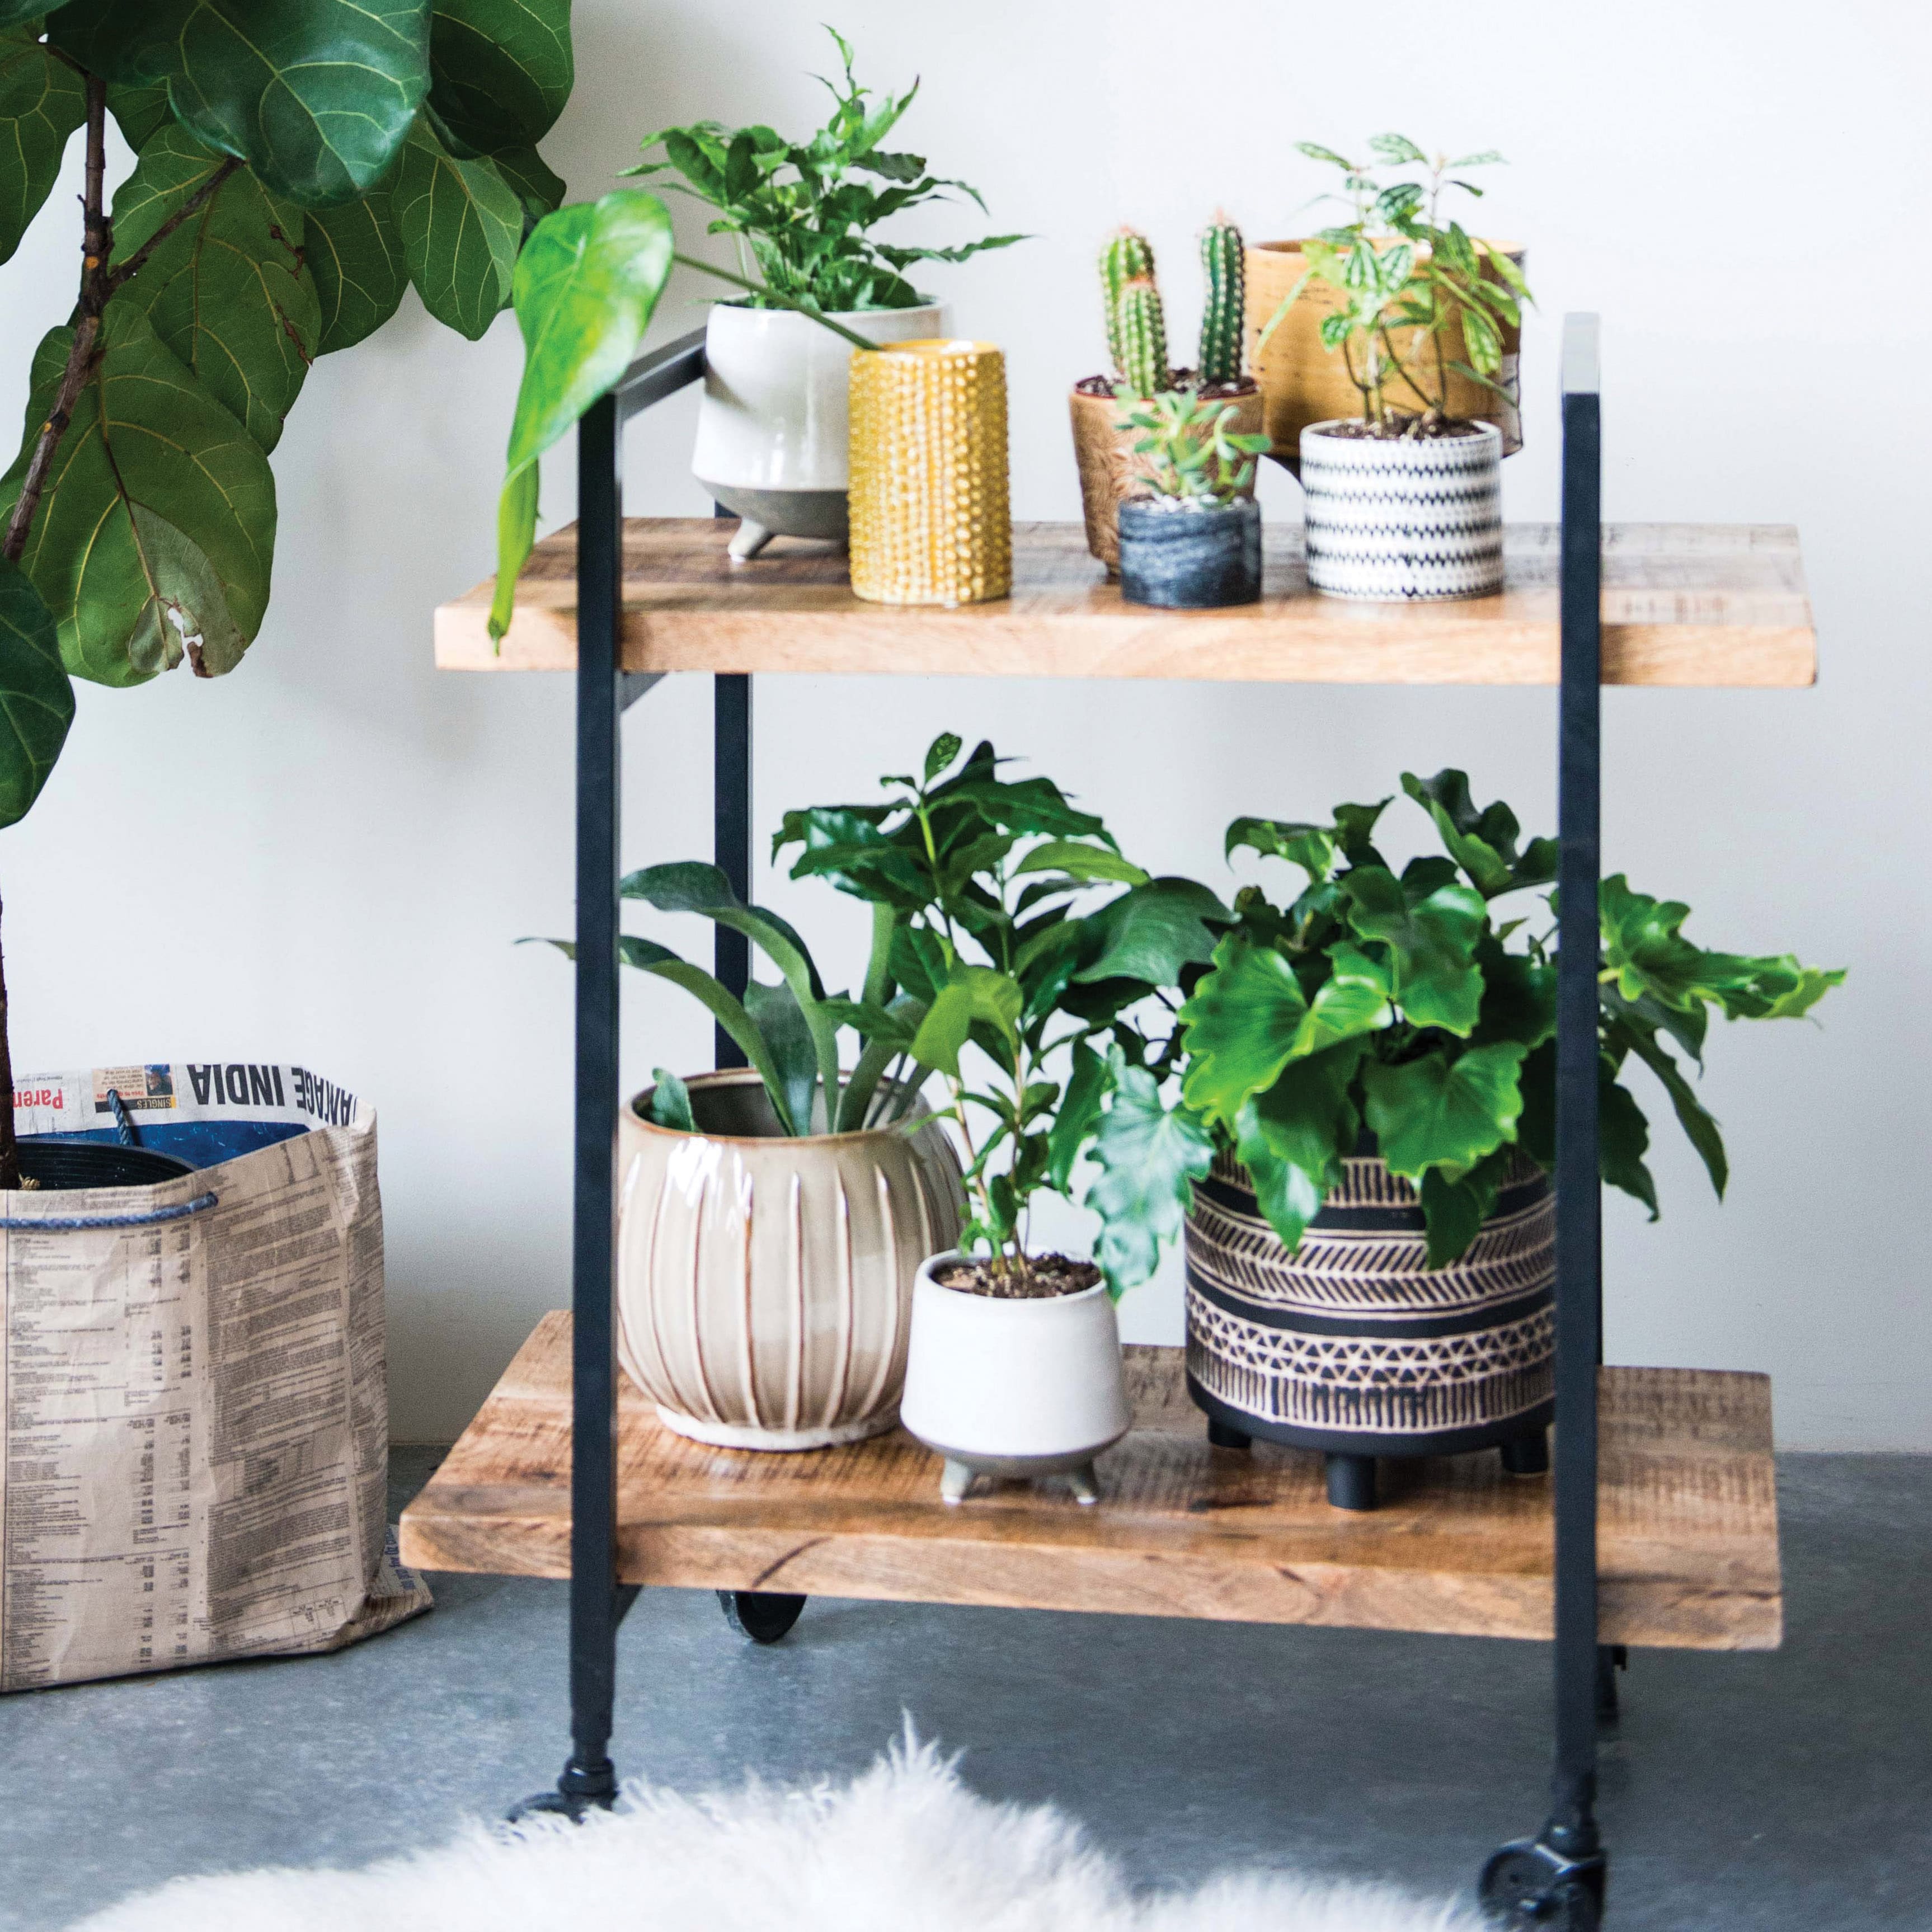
1353 1344
1110 472
930 520
764 1283
1395 520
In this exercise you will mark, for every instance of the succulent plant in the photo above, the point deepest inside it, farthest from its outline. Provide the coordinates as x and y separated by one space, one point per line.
1128 256
1221 320
1143 331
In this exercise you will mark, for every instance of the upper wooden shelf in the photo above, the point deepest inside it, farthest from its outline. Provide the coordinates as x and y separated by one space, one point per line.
1684 603
1687 1538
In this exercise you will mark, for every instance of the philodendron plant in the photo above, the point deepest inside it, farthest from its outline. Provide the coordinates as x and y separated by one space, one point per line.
1402 1003
989 970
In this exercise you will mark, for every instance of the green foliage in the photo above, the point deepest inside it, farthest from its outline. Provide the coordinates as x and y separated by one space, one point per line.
1140 323
42 101
806 208
1127 256
1396 1003
1402 277
500 71
1222 318
1149 1156
1192 453
36 698
355 256
461 225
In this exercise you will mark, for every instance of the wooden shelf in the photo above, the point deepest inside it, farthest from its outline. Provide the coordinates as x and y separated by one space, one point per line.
1688 1540
1683 604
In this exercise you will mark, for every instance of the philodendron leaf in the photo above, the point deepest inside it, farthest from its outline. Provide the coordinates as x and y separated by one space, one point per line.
500 70
315 98
355 254
1354 999
585 284
1435 1111
157 527
1453 1211
1433 943
1623 1136
461 225
1151 933
36 699
1291 1137
227 291
42 101
1240 1028
1150 1156
1482 843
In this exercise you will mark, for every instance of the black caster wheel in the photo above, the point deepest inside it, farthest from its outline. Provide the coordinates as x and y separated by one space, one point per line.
1225 1435
576 1793
763 1615
1528 1884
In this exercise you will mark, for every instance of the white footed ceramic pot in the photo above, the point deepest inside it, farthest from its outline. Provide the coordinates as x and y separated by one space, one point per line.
1394 520
765 1283
772 426
1013 1388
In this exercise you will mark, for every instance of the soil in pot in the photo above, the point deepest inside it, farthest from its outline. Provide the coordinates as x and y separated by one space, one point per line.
1039 1278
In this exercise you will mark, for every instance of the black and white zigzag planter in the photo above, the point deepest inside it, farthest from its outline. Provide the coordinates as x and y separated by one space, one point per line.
1392 520
1353 1345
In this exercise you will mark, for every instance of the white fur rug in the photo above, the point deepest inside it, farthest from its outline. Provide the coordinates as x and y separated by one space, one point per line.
904 1848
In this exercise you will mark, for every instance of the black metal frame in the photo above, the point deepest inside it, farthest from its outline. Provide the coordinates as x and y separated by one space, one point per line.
1556 1878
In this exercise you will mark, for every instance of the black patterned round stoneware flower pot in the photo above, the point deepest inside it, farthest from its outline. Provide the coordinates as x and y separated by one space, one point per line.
1353 1345
1192 558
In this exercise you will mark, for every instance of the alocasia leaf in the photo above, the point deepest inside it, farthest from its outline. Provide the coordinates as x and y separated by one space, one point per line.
354 255
315 98
227 291
500 70
1437 980
461 225
36 698
1150 1157
1434 1111
1291 1137
1240 1027
585 284
42 101
157 528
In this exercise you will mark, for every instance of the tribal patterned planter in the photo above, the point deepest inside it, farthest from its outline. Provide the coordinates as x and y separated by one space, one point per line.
1393 520
1353 1345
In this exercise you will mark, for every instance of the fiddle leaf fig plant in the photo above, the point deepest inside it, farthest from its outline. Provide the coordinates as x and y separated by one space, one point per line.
298 164
1397 1003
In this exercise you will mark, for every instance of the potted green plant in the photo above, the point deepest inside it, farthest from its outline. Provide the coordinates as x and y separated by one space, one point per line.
1405 499
1193 540
1014 1367
772 425
1366 1078
1110 471
287 186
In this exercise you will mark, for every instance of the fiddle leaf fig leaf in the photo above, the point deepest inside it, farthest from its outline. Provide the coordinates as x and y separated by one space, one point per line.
354 255
1240 1026
36 698
315 98
140 112
1291 1137
42 101
539 189
1435 1111
1149 1156
228 290
585 284
1433 944
500 70
461 225
156 530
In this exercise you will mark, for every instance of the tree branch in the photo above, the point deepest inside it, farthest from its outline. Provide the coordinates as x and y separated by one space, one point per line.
124 272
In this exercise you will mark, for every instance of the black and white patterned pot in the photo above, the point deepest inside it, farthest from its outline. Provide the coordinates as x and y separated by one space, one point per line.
1392 520
1353 1345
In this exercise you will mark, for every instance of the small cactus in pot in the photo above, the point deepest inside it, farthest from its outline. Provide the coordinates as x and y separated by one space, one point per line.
1111 468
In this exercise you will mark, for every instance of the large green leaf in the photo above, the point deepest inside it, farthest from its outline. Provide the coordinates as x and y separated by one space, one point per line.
1240 1027
157 527
228 290
316 97
776 1014
1149 1156
1152 932
969 993
1077 1116
1291 1137
36 699
1701 1129
585 284
354 254
21 14
1437 980
1354 999
140 111
1482 843
500 70
42 101
1623 1136
461 225
538 188
1436 1112
1453 1211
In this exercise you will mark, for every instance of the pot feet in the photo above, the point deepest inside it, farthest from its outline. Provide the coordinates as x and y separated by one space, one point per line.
1527 1455
956 1482
1352 1482
1225 1435
751 538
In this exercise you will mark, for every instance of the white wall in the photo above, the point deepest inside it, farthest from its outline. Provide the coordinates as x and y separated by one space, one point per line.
326 855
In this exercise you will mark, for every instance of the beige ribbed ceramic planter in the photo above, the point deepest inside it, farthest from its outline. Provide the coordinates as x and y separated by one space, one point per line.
765 1283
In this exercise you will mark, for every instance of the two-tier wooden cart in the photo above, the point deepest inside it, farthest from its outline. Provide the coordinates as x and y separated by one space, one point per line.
1658 1524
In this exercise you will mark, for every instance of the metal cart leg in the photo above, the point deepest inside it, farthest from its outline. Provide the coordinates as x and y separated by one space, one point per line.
1557 1879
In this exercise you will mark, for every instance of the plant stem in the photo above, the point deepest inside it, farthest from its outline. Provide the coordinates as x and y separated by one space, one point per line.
771 294
126 271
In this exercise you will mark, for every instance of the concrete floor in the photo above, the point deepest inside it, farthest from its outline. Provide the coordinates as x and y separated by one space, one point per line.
1788 1790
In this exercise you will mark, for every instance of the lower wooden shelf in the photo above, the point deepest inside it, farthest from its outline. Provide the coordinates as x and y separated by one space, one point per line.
1687 1539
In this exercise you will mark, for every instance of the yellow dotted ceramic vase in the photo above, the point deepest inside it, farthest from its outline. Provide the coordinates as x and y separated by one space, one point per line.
931 521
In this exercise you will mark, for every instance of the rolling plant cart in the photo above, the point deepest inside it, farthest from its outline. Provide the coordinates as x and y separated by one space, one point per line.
1658 1523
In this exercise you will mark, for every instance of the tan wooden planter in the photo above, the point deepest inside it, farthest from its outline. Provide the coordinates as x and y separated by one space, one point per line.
1302 382
765 1283
1110 472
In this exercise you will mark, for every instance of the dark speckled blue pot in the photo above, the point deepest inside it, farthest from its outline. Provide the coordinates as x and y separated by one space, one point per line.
1191 559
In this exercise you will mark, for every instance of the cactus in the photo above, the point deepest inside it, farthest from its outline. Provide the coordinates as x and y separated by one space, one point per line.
1143 337
1222 319
1126 258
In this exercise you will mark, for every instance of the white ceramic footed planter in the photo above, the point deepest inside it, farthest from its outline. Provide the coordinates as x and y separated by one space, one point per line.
1392 521
772 426
1013 1388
